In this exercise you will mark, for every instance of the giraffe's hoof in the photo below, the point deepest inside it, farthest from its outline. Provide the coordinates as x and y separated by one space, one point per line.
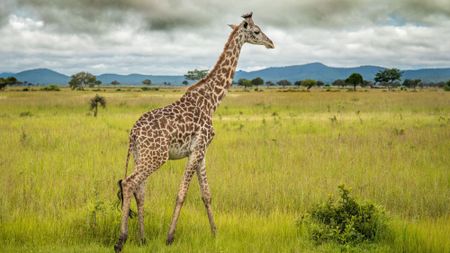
119 245
117 248
170 239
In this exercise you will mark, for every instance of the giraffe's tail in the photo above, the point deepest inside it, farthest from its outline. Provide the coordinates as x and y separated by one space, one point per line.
131 213
130 147
120 192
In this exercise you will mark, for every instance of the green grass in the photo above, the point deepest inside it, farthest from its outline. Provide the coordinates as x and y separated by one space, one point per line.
275 155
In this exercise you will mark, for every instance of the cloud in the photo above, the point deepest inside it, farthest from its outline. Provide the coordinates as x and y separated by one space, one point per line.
96 16
87 16
170 37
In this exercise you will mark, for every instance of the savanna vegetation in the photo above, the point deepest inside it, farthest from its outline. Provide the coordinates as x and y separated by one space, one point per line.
275 158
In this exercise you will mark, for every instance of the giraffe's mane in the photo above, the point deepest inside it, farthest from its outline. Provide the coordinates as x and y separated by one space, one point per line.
222 55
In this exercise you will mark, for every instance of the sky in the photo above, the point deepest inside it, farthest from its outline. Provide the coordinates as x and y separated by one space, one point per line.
170 37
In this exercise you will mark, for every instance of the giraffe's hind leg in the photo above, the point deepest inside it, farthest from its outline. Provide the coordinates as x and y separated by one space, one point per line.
144 167
126 198
139 194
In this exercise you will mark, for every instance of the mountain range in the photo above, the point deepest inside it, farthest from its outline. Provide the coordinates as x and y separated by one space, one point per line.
316 71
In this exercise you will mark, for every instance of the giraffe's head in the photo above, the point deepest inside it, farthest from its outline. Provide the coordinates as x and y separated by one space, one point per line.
252 33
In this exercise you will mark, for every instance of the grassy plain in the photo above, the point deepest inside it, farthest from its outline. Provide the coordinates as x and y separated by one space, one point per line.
275 154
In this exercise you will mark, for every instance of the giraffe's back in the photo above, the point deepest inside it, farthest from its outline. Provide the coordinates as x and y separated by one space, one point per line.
172 129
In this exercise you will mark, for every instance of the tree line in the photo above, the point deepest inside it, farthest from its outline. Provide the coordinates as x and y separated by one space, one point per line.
384 78
388 78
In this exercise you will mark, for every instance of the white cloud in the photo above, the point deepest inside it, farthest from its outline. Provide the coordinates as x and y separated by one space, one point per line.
20 23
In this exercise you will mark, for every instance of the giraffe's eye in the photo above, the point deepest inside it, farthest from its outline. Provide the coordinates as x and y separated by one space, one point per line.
257 32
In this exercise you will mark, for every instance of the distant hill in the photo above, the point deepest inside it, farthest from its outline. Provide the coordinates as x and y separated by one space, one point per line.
39 76
317 71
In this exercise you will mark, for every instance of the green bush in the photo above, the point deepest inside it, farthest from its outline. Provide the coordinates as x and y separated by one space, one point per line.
345 221
25 114
51 87
447 86
149 88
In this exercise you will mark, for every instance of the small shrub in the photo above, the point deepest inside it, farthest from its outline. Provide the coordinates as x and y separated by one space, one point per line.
149 88
333 119
399 131
345 221
95 102
51 87
25 114
332 90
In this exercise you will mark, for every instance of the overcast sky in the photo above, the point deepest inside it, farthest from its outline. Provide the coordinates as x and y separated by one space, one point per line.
173 36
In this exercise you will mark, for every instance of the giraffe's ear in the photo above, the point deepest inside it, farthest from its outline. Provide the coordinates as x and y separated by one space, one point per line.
232 26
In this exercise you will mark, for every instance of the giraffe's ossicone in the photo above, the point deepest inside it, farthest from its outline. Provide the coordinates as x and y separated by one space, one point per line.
183 129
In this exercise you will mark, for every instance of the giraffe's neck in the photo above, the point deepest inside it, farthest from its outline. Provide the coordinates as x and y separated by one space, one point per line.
209 91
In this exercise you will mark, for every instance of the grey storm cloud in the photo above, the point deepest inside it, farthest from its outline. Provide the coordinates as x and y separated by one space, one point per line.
99 15
96 16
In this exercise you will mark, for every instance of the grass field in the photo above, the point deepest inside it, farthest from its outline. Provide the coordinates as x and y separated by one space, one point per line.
275 155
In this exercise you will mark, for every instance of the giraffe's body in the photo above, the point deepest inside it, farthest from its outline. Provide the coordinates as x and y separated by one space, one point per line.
183 129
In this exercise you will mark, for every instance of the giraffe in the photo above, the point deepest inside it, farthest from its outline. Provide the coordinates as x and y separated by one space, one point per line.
183 129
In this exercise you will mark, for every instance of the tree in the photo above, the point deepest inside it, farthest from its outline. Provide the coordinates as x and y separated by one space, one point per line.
3 83
115 82
339 82
81 79
257 81
11 80
308 83
447 86
388 76
245 83
269 83
95 101
409 83
298 83
320 83
98 83
355 79
196 74
147 82
185 82
284 83
7 81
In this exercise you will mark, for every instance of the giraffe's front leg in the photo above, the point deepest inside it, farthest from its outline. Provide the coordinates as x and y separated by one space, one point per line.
206 195
194 161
